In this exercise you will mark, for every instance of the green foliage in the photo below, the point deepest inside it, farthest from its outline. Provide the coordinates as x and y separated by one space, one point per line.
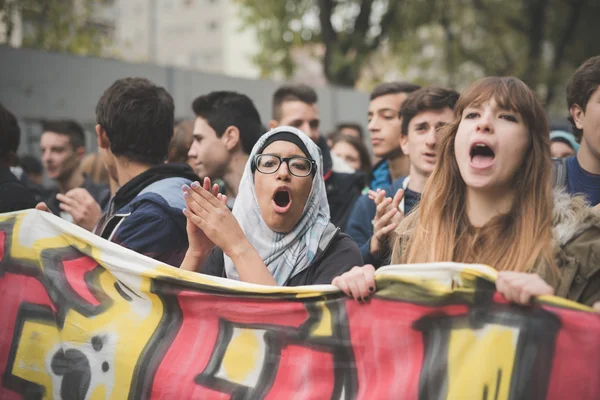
430 41
57 25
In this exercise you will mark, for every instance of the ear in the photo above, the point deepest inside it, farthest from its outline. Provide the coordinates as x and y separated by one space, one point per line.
80 152
578 114
231 137
103 141
404 143
273 124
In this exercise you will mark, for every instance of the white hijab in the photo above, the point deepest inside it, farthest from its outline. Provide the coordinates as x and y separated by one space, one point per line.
284 254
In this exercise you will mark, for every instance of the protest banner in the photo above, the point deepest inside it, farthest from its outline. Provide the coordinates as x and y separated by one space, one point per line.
83 318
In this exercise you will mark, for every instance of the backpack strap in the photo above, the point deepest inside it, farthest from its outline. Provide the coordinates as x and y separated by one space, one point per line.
559 166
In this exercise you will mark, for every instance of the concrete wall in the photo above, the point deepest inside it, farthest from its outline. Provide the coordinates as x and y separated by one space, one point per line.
35 85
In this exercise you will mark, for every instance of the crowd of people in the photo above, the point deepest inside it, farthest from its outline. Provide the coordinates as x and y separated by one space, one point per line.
471 177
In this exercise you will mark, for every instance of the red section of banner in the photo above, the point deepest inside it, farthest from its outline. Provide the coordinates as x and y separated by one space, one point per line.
15 291
75 271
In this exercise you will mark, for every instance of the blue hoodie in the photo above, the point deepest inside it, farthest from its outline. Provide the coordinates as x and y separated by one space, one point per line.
145 215
360 227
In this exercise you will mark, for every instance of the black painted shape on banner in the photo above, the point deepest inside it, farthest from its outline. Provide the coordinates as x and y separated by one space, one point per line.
159 343
276 339
533 356
27 313
74 367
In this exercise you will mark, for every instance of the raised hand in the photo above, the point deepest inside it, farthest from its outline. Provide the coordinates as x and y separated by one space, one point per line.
199 243
208 212
84 209
387 218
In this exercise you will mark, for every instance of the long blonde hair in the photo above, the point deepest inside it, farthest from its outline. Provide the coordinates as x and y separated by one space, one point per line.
520 240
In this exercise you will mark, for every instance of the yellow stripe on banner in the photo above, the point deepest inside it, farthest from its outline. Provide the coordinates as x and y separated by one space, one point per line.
325 325
38 343
480 362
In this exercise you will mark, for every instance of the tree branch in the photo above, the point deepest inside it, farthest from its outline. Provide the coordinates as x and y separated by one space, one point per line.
559 51
387 20
326 8
361 25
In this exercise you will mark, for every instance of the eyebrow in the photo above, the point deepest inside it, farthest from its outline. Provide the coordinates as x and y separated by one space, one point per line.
421 124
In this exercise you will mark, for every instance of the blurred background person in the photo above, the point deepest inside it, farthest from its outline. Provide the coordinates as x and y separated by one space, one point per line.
14 196
32 166
93 167
183 137
563 144
352 150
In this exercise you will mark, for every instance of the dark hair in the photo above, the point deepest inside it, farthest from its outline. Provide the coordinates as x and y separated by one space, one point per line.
363 153
582 85
181 142
223 109
393 88
68 128
10 133
298 92
431 98
31 165
138 119
351 125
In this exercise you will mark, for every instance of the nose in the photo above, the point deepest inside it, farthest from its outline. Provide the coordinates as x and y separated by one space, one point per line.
373 125
484 123
192 151
431 137
45 156
283 173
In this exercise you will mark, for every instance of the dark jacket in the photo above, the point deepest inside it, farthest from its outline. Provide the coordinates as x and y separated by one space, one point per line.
342 189
14 196
339 256
360 227
100 193
145 215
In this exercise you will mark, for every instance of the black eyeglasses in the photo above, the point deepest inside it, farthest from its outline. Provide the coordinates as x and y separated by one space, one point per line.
298 166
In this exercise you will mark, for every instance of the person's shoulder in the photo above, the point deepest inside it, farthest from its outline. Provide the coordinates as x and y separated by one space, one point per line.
573 220
343 243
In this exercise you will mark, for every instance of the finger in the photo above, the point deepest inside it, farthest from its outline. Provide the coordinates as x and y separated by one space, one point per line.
194 196
193 205
362 286
206 195
372 194
369 273
380 196
67 208
206 183
398 198
384 220
382 208
42 207
79 194
67 200
354 287
340 282
196 220
215 190
386 230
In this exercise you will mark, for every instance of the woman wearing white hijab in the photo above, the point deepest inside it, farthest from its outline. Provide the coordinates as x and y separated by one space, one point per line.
279 231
